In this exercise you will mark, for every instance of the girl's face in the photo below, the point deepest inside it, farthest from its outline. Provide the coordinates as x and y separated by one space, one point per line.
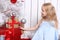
43 12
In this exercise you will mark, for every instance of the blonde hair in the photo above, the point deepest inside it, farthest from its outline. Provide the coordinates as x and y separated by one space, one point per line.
51 13
50 10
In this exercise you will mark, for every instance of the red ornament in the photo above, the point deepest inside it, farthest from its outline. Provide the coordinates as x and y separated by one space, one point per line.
13 1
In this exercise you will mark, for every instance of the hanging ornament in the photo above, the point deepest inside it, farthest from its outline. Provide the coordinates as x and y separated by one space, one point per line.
13 1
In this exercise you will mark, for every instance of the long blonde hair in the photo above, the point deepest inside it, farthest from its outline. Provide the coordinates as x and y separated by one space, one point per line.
51 13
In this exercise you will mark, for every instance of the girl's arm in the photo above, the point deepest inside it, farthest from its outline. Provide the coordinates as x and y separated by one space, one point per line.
33 28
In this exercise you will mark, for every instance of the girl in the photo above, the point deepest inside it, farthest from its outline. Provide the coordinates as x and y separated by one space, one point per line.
46 28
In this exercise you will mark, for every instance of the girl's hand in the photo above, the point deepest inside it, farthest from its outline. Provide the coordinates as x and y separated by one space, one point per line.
21 28
24 29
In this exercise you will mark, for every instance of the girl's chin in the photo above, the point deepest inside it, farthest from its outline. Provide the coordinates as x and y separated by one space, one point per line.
44 17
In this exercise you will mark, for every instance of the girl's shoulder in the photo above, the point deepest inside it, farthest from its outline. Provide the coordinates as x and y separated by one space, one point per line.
51 23
44 21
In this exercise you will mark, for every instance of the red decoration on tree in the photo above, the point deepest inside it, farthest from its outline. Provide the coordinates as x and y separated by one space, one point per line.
13 33
13 1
